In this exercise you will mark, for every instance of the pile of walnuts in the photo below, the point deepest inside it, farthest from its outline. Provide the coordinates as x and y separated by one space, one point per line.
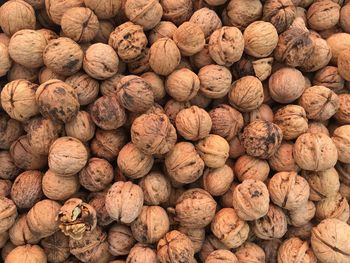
175 131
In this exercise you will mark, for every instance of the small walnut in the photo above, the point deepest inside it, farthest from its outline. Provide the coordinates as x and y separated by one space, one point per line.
271 226
221 256
193 123
115 201
207 20
240 13
323 15
248 167
214 150
177 11
27 254
344 18
129 41
120 240
46 74
297 249
251 200
175 247
56 247
320 103
81 127
226 45
329 77
10 131
338 42
76 218
288 190
63 56
140 65
67 156
80 24
264 112
261 139
107 113
344 64
315 152
22 11
42 218
133 163
250 253
18 99
343 113
229 228
20 234
341 139
17 71
302 215
86 87
189 38
166 49
58 187
217 181
283 159
164 29
280 13
142 253
195 208
156 83
8 169
56 8
8 214
26 189
156 188
333 207
106 9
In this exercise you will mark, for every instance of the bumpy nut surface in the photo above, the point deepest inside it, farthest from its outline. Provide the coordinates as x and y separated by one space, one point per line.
329 241
295 248
197 236
120 240
302 215
76 218
207 20
214 150
67 156
288 190
251 200
315 152
329 77
338 42
261 139
221 256
189 38
344 18
175 245
55 8
20 234
195 208
6 62
333 207
142 253
226 45
177 11
250 253
81 127
193 123
248 167
343 113
104 10
86 87
156 188
27 253
115 201
56 247
63 56
323 15
164 29
343 64
280 13
229 228
242 13
10 129
8 213
341 139
320 103
218 181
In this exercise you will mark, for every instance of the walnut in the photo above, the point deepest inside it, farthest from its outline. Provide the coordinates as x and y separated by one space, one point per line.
55 9
197 236
329 77
41 218
343 64
193 123
333 207
97 201
177 11
46 74
210 244
129 41
189 38
214 150
18 99
156 188
250 253
248 167
58 187
218 180
293 249
251 200
67 156
133 163
260 39
107 144
20 234
8 169
48 34
26 189
302 215
207 20
246 94
164 29
10 131
341 140
173 107
317 127
302 232
105 29
202 208
240 13
157 84
76 218
107 113
323 15
81 127
8 214
343 113
315 152
343 172
261 139
271 248
221 256
288 190
283 159
17 71
338 42
264 112
86 87
56 247
120 240
109 86
166 49
229 228
344 18
24 156
226 45
175 247
104 10
26 254
80 24
140 65
115 198
6 61
22 11
280 13
142 253
63 56
5 188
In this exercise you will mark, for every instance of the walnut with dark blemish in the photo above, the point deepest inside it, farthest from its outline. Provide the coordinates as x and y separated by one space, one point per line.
280 13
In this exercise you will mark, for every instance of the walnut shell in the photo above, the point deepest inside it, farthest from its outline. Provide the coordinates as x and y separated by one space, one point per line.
295 248
251 200
280 13
81 127
338 42
283 159
343 64
189 38
8 169
164 29
195 208
8 213
217 181
10 131
86 87
288 190
214 150
333 207
56 247
20 234
207 20
156 188
315 152
329 77
323 15
302 215
27 254
120 240
344 18
221 256
202 58
197 236
5 188
343 113
210 244
317 127
250 253
97 201
117 194
142 253
104 10
177 11
229 228
226 45
240 13
18 99
56 8
46 74
341 139
261 139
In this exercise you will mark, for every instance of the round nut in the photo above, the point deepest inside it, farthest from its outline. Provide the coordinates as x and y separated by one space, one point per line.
214 150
